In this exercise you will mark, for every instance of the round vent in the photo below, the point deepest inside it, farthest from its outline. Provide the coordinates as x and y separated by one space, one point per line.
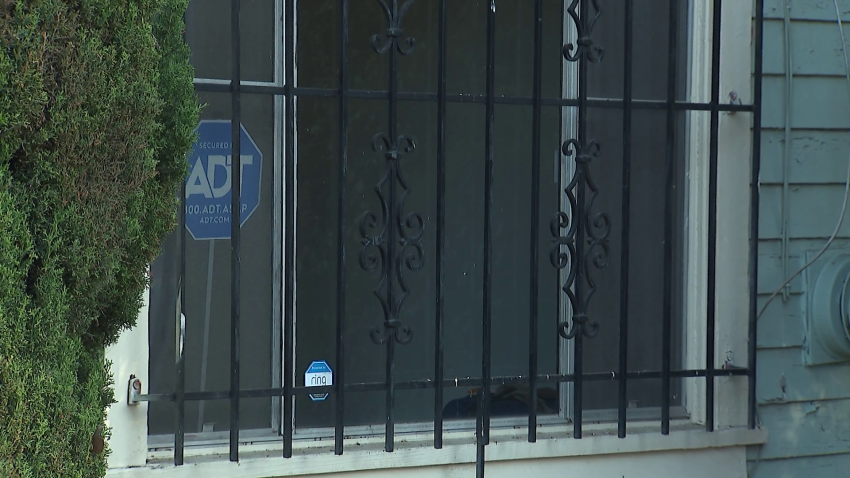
831 307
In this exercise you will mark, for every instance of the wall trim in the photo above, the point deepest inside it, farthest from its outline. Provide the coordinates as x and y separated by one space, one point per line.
734 154
316 458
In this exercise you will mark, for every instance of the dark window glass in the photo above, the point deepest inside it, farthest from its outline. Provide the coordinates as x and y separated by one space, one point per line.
208 262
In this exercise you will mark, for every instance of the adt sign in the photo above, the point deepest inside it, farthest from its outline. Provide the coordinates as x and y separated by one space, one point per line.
208 186
318 374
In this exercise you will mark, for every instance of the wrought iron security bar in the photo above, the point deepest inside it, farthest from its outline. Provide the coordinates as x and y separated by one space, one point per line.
392 237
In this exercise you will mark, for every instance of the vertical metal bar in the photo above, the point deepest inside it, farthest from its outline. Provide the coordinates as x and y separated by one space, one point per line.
392 119
626 208
289 241
441 225
667 323
754 211
535 221
480 439
577 371
180 402
340 266
581 193
488 216
712 216
235 229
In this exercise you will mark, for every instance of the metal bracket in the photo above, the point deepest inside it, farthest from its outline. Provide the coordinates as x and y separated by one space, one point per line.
134 391
134 385
730 360
135 395
734 100
729 363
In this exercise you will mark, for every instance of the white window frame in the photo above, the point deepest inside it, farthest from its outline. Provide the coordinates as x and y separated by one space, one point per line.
131 456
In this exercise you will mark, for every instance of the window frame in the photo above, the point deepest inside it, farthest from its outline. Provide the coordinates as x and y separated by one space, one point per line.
130 354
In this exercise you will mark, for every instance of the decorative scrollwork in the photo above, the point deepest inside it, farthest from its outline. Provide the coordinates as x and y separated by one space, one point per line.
584 46
406 230
586 240
394 34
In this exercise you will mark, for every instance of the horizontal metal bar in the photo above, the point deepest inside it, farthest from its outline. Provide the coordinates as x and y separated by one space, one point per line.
224 395
448 383
206 439
618 103
226 83
153 397
354 431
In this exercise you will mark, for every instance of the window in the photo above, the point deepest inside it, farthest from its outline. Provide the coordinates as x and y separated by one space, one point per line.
484 233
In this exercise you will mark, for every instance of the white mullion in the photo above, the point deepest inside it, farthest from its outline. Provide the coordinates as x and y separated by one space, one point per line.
734 150
734 153
569 121
696 195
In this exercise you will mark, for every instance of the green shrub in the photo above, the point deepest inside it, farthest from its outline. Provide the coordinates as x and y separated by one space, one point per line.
97 112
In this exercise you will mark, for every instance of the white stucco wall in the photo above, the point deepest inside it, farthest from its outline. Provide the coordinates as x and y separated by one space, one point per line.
700 463
129 355
712 463
688 451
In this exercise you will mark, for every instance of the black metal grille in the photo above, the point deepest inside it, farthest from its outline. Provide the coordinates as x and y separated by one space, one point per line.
392 237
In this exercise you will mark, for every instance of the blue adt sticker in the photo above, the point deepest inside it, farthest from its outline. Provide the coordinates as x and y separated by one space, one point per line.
318 374
208 186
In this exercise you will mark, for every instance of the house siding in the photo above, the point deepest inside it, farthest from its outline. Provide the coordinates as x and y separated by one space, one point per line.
808 420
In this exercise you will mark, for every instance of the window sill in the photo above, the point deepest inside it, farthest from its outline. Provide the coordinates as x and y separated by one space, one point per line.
264 459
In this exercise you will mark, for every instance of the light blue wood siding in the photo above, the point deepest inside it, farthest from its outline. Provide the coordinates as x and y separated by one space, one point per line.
809 466
810 421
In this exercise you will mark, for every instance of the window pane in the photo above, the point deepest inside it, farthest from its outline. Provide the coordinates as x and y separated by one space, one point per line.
208 34
649 49
208 261
208 302
646 259
647 199
208 275
317 211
